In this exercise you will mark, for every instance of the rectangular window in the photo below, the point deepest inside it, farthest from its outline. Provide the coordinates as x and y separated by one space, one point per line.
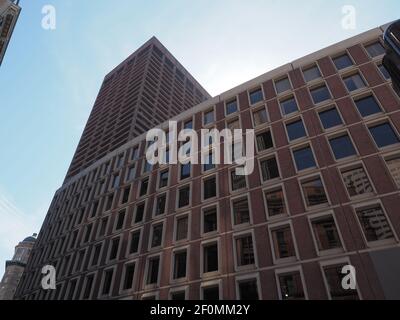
209 188
103 227
88 233
367 106
326 233
209 163
116 181
296 130
231 107
210 258
334 278
275 202
94 209
291 286
289 106
157 235
342 62
96 254
314 192
393 164
178 296
248 289
256 96
139 212
384 72
384 135
311 73
180 264
184 197
147 166
185 171
304 159
209 117
374 224
241 212
210 220
125 195
160 204
283 242
114 249
135 154
143 187
109 202
134 245
120 220
330 118
211 293
375 49
152 271
88 287
237 182
182 225
131 173
264 141
356 181
260 117
342 147
269 169
320 94
129 275
282 85
188 124
163 179
244 250
120 161
108 275
354 82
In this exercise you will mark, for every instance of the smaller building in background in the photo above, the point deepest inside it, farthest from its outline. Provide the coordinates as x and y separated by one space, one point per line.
15 268
9 12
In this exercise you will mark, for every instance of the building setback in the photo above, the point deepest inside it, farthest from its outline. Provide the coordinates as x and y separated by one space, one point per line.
324 194
148 88
9 12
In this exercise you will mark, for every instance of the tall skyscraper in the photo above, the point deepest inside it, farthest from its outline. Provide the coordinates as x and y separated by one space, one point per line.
15 268
9 12
324 194
146 89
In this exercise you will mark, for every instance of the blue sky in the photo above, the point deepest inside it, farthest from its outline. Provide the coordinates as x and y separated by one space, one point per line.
49 79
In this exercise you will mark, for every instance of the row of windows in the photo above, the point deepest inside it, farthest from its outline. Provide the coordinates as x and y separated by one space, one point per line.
290 283
373 221
288 105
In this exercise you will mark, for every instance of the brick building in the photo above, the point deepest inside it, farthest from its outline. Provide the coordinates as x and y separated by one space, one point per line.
324 194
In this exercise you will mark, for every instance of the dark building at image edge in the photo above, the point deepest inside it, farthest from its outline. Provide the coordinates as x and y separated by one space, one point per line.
324 192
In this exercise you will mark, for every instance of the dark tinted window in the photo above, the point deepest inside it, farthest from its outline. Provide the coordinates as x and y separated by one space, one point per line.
256 96
342 62
296 130
367 106
320 94
289 106
375 49
342 147
304 159
384 135
330 118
